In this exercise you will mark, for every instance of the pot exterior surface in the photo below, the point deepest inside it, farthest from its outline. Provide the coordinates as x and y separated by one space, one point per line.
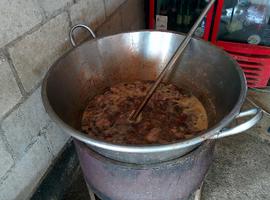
87 70
172 180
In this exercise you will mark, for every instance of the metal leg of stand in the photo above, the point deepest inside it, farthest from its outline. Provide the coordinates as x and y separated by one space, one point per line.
91 193
198 193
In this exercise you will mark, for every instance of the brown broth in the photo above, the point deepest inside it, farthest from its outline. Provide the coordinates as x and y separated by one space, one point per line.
171 115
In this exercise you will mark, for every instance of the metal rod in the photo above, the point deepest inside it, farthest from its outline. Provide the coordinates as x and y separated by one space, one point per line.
91 193
198 193
174 58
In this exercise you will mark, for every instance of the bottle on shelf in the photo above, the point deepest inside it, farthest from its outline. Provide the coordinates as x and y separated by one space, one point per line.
163 9
187 16
179 20
172 15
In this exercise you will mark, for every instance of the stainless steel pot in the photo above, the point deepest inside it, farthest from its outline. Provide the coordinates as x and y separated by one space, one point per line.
97 64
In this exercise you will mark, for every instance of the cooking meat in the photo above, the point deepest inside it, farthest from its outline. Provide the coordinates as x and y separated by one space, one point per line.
171 115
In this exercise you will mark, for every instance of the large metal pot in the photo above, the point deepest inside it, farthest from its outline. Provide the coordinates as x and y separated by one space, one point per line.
97 64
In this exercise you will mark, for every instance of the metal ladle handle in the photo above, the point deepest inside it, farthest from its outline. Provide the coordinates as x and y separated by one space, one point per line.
171 63
72 41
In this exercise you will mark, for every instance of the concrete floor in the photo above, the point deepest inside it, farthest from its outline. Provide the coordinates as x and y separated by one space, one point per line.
240 171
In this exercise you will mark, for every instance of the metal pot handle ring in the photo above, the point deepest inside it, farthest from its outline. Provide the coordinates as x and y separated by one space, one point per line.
257 114
71 36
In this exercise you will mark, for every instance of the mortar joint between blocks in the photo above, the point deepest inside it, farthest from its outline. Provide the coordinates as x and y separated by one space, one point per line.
14 72
7 146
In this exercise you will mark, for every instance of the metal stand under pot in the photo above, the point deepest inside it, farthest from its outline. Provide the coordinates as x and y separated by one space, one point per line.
174 180
196 196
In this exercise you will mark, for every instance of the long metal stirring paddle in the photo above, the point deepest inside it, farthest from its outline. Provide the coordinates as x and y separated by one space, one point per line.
134 115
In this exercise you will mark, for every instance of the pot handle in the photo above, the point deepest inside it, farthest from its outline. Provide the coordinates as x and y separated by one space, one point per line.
71 36
257 114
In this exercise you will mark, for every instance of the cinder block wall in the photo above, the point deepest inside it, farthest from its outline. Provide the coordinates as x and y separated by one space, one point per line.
33 34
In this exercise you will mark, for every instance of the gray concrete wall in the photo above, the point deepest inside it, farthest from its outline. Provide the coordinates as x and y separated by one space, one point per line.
33 34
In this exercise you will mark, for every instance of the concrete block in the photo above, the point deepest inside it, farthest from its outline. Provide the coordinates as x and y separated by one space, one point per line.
88 12
56 138
112 5
112 26
26 174
9 91
17 17
34 54
6 160
50 6
132 13
25 123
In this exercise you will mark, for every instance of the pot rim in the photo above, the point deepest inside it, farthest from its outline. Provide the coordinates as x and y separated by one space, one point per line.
208 134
